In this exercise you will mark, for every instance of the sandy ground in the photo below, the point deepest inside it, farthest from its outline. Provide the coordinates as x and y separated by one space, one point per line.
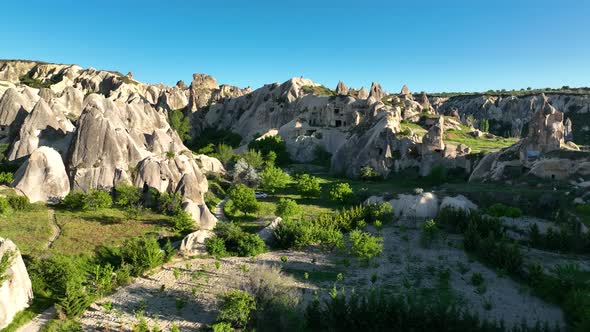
404 266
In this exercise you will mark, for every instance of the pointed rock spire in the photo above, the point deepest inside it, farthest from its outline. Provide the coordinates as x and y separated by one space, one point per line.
341 89
376 91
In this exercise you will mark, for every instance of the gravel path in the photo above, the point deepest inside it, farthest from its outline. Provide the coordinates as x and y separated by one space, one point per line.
218 211
37 323
54 226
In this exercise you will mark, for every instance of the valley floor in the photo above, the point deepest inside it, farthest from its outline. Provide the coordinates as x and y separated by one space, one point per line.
185 292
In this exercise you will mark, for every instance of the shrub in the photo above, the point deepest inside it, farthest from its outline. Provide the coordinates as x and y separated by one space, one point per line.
244 199
127 196
170 203
5 263
437 175
321 156
236 308
142 254
476 279
287 209
368 173
382 212
216 246
98 199
293 234
341 192
253 158
308 185
183 222
273 178
4 206
250 245
429 233
6 178
74 200
365 245
501 210
18 203
222 327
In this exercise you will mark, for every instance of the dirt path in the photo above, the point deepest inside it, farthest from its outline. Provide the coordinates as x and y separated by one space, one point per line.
218 211
37 323
55 227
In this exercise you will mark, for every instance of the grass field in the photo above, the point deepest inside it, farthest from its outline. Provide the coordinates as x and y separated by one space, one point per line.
83 231
29 230
478 145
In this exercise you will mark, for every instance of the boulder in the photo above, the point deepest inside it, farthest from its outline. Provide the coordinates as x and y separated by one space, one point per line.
200 213
266 233
421 206
16 291
210 164
194 243
42 177
458 202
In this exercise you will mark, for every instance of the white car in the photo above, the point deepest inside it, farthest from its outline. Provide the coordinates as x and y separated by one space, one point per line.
260 194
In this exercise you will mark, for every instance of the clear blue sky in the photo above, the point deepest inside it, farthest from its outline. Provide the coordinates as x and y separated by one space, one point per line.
469 45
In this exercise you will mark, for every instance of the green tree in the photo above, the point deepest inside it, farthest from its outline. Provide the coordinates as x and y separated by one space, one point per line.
5 263
365 245
253 158
288 209
244 199
224 153
170 203
273 178
4 206
272 143
484 125
308 185
341 192
180 123
236 308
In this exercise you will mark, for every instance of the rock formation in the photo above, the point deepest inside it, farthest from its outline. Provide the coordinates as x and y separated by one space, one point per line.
376 91
433 140
42 177
341 89
16 290
194 243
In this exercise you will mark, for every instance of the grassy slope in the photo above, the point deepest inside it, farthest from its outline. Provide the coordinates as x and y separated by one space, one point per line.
477 145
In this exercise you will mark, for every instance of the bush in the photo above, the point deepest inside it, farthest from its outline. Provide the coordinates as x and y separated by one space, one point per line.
501 210
183 222
224 153
429 233
222 327
274 144
250 245
365 245
368 173
4 206
5 262
6 178
18 203
287 209
341 192
293 234
142 254
236 308
244 199
253 158
308 186
273 178
437 175
127 196
382 212
170 203
216 246
97 199
235 241
74 200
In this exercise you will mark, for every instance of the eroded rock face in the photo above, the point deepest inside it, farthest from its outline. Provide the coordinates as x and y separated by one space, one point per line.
433 140
210 164
341 89
376 91
16 292
546 130
458 202
42 177
421 206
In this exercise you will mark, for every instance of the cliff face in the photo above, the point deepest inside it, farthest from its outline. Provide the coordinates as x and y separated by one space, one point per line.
511 115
